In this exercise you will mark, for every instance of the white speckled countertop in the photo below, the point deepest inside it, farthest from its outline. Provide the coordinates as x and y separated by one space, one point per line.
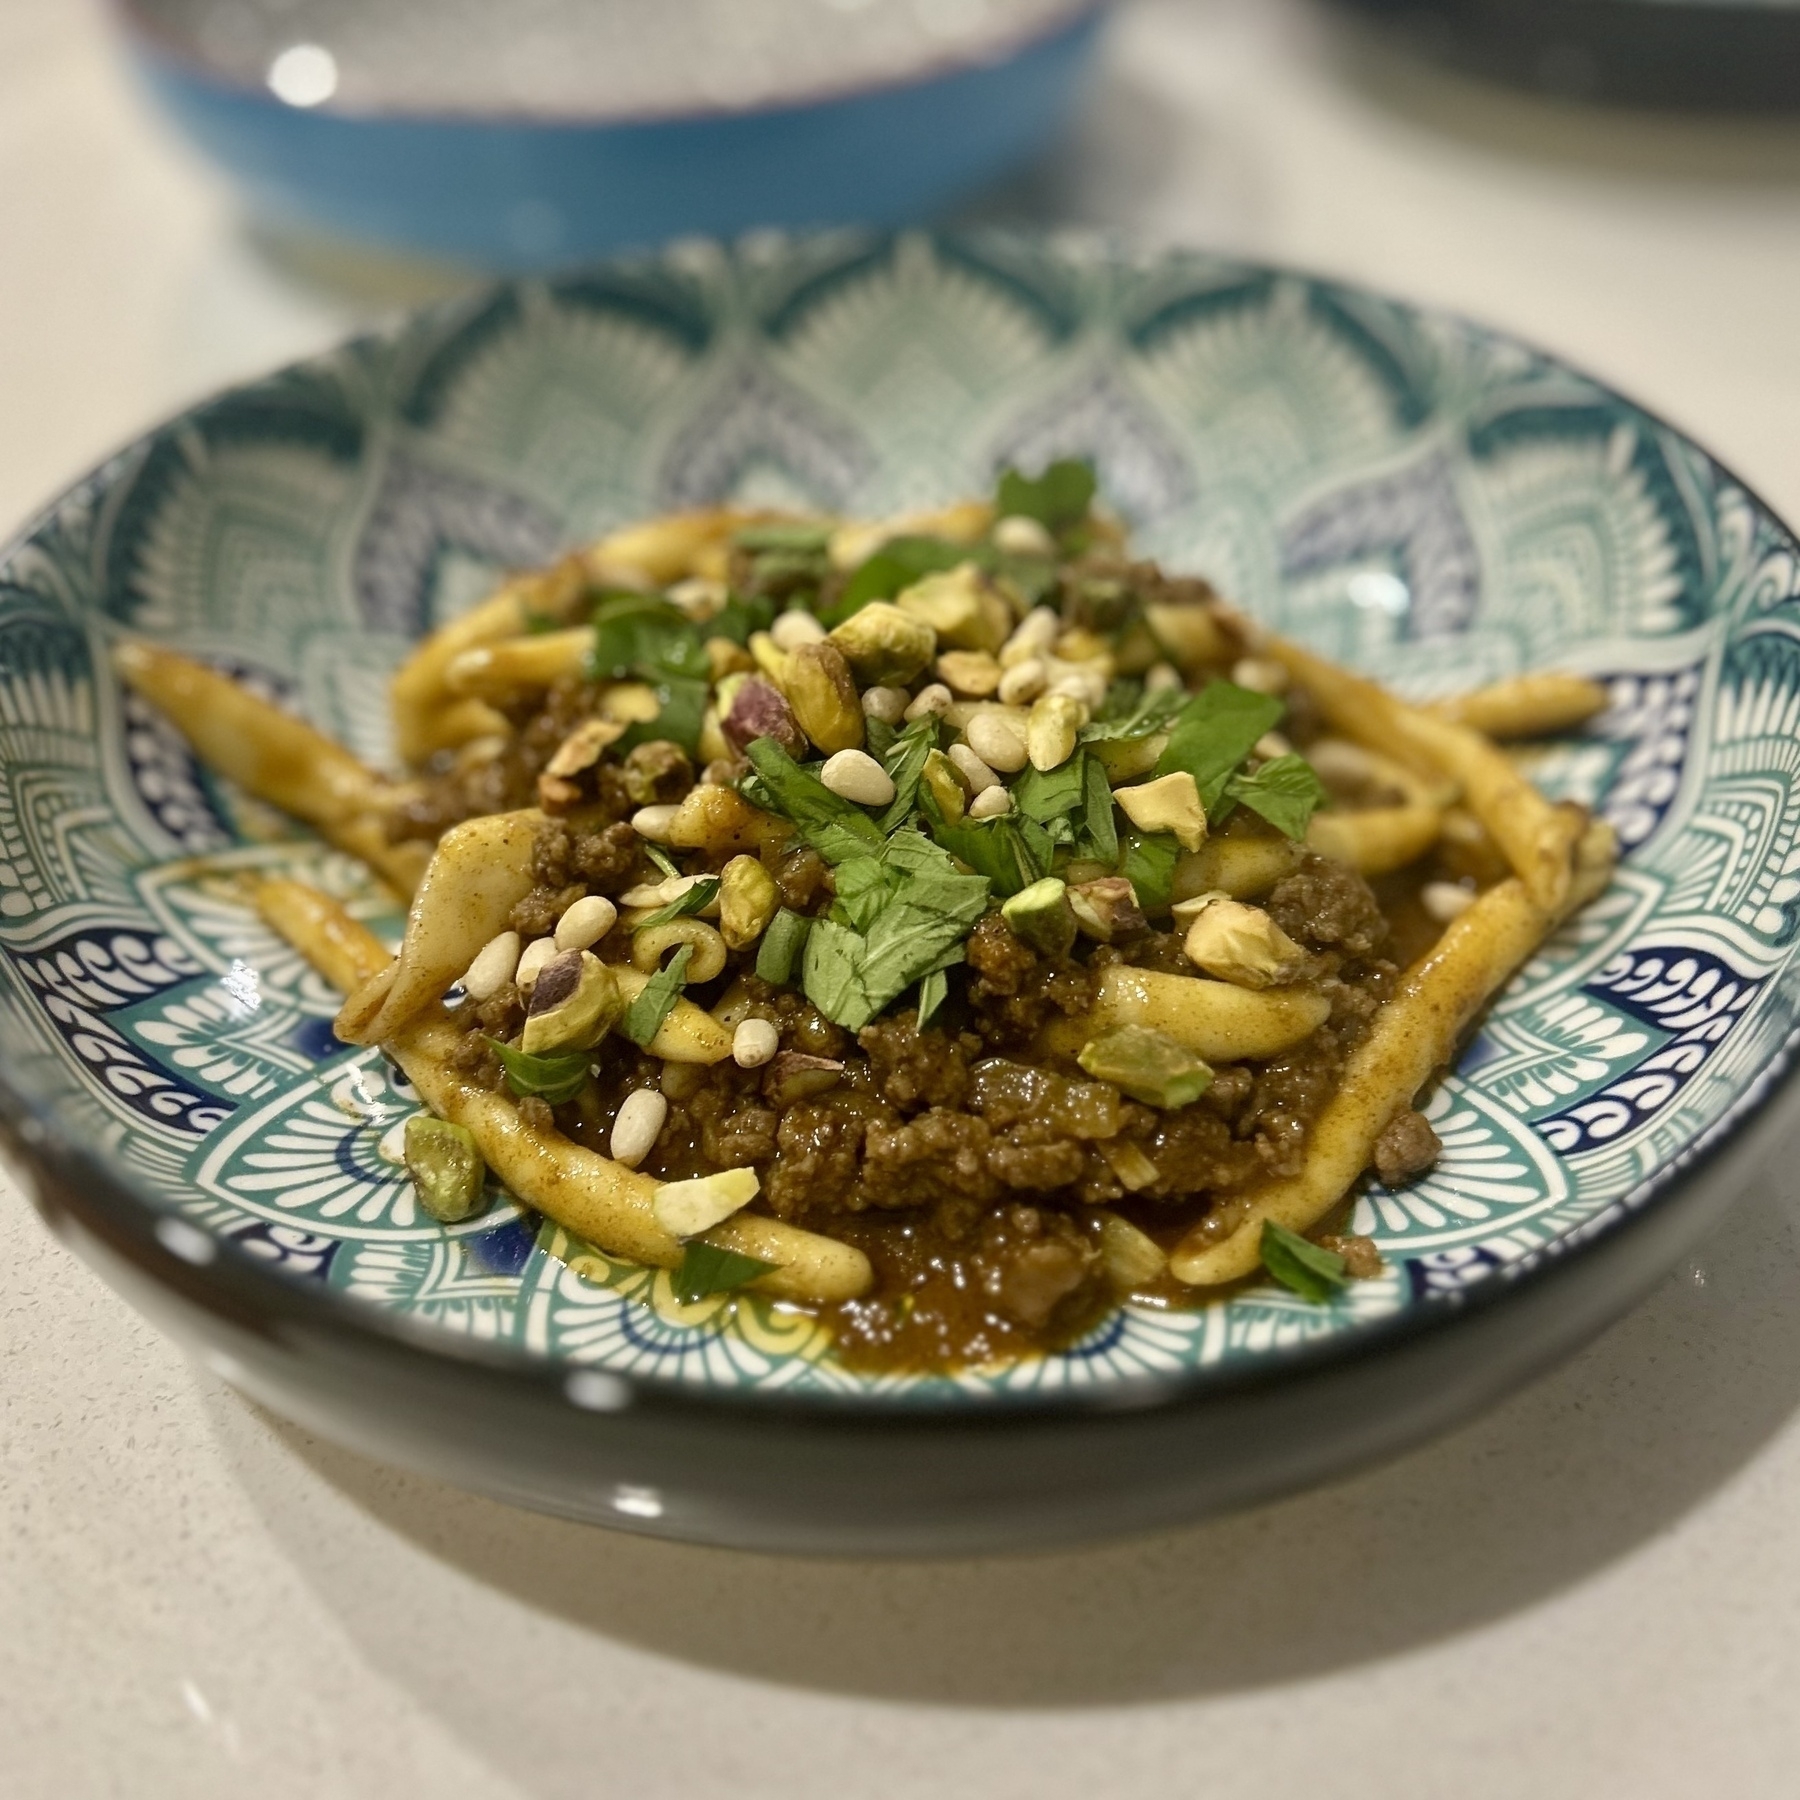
1594 1592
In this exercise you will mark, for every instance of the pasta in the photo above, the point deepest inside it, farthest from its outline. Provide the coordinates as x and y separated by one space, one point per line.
943 923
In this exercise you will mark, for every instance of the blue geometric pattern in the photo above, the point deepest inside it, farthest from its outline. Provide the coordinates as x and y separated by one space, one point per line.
1404 491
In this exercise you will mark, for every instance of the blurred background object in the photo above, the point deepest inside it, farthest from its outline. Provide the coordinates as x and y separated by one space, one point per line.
539 132
1742 55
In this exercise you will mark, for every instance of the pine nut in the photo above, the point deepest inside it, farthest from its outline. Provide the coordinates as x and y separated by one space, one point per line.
856 775
888 704
934 698
1050 734
586 923
1445 900
493 966
1260 674
997 743
754 1043
795 628
1271 745
654 822
1023 682
638 1125
1160 676
978 775
538 952
990 803
1037 632
1018 535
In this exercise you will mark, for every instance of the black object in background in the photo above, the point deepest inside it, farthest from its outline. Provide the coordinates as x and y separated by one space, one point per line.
1738 54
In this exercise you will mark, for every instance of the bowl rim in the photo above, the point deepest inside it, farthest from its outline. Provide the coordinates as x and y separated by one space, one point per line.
227 1281
174 55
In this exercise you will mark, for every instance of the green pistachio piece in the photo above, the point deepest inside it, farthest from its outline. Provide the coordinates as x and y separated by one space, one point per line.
1040 915
1147 1065
575 1003
446 1169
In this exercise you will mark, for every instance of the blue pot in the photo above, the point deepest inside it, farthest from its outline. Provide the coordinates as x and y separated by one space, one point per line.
517 193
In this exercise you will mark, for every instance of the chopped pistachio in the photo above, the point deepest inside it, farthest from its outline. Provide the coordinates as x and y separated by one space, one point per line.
1106 908
1170 803
748 898
971 673
1041 917
1050 733
1132 1258
684 1209
574 1003
953 604
1148 1065
883 644
1243 945
446 1168
946 784
759 709
823 695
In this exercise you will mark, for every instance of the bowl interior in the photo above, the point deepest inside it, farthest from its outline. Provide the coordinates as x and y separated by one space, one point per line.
1404 491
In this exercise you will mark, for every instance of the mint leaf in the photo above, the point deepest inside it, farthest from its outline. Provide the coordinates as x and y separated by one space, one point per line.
895 566
1286 792
639 637
899 922
1009 852
905 764
833 826
552 1079
1130 714
1149 865
1213 734
1313 1272
707 1269
1046 794
1058 498
684 906
934 990
656 999
739 617
778 956
1097 821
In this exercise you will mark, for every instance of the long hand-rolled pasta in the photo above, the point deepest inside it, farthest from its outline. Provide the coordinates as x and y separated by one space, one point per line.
506 671
586 1193
1377 839
1536 836
480 871
1215 1020
1541 704
271 754
1414 1035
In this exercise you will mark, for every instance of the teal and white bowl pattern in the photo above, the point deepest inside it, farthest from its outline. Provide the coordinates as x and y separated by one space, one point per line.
1403 490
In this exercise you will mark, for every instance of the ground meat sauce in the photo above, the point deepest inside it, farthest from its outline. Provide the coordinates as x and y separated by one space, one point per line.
966 1161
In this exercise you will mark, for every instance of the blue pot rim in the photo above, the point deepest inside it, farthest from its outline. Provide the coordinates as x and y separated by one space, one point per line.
235 1286
158 47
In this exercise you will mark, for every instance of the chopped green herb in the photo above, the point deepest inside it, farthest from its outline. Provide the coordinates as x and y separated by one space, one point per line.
778 956
1046 794
934 990
836 828
684 906
656 999
1215 731
905 764
1286 792
1011 851
663 860
906 922
878 737
707 1269
1130 714
1098 826
1312 1271
638 637
802 535
1058 498
740 616
895 566
1149 865
552 1079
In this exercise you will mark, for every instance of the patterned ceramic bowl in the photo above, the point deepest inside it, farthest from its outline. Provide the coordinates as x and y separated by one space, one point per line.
1402 490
